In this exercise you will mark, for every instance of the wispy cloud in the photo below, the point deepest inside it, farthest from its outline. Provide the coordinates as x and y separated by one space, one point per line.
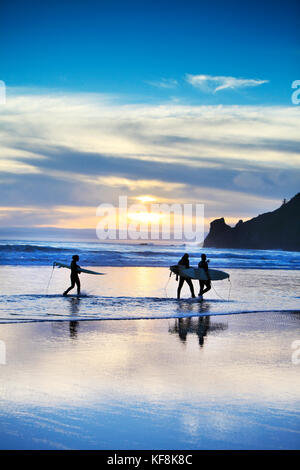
164 83
81 150
212 84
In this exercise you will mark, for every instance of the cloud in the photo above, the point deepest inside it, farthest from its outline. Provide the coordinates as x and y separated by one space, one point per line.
80 150
168 83
209 83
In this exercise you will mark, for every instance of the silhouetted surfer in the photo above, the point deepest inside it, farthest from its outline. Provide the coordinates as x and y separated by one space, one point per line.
184 261
75 270
205 286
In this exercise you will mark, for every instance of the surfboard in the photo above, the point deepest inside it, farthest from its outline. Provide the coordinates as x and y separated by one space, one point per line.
199 273
82 270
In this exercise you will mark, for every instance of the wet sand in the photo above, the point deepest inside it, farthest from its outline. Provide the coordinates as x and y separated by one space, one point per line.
218 382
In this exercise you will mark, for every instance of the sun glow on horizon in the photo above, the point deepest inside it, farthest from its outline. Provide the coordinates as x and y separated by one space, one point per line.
145 217
145 199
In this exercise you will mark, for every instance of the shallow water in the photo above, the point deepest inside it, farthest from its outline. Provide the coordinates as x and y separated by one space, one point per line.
195 383
139 292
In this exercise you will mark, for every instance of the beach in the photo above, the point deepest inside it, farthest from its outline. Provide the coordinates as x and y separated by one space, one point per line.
195 383
139 140
127 366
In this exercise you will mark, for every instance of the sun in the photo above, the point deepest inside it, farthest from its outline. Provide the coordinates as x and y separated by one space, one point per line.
144 199
145 217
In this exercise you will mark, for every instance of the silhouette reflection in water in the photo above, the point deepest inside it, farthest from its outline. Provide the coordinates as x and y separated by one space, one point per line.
199 326
190 307
73 327
74 309
74 304
195 319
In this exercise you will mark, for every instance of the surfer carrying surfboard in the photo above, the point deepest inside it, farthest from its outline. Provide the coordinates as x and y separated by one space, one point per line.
75 270
184 261
205 286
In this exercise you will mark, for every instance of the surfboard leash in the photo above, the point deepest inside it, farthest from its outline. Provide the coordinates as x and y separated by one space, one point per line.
165 288
50 278
229 291
219 294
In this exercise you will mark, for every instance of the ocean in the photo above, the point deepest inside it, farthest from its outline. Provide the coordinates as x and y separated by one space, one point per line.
38 253
137 282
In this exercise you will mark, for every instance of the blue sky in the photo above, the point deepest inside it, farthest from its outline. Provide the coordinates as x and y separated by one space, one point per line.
120 46
188 101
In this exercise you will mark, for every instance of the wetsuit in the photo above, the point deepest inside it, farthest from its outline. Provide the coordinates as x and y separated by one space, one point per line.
205 286
75 269
186 264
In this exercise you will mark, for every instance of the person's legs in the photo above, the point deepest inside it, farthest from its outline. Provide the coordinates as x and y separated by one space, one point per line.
181 281
208 287
201 284
191 287
78 285
71 287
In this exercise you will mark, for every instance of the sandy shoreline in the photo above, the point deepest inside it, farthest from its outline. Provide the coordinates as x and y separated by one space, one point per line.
208 382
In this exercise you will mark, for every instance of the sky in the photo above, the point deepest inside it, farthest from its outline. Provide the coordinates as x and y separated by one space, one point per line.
183 101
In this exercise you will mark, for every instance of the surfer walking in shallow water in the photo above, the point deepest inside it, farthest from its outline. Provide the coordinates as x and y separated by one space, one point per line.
205 286
75 270
184 261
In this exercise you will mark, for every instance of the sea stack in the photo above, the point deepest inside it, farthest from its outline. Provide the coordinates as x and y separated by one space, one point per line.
279 230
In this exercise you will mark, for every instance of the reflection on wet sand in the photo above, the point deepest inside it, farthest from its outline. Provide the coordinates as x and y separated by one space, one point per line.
74 305
74 309
59 328
73 326
195 307
100 385
199 326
